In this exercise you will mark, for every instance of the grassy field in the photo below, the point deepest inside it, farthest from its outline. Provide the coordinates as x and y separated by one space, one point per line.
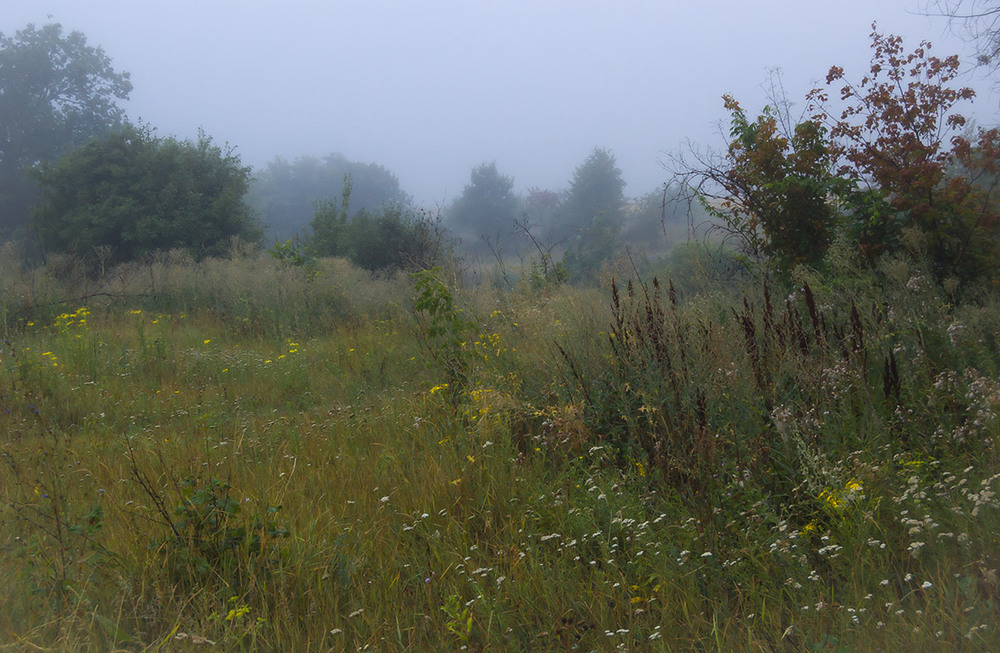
235 455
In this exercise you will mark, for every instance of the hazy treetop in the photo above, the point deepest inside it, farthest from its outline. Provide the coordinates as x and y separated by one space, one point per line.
431 89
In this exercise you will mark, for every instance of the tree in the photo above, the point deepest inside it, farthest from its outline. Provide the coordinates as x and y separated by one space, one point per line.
591 216
770 191
894 164
134 193
486 205
979 22
284 193
597 189
780 184
56 93
541 206
900 144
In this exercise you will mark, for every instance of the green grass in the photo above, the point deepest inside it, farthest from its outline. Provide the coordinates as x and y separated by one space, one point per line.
236 453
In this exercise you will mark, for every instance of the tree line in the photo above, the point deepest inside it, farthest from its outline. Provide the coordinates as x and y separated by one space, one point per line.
880 164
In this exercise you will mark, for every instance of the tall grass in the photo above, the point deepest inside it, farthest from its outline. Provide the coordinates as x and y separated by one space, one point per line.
231 454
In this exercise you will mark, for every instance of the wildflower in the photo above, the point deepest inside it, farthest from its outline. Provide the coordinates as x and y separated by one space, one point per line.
238 612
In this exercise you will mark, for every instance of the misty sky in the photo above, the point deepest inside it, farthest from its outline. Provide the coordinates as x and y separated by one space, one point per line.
431 88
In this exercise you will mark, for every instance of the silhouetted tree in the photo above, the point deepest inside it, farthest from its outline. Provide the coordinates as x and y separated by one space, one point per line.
591 215
487 205
541 206
597 189
393 236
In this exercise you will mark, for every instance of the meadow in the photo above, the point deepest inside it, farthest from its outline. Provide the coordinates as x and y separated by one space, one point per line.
240 454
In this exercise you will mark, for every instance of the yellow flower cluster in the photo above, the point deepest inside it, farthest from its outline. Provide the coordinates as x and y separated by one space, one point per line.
838 500
77 320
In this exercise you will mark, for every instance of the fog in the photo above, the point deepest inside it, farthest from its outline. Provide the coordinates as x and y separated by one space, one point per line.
430 89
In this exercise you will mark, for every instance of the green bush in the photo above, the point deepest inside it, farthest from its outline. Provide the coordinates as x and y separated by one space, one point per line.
132 193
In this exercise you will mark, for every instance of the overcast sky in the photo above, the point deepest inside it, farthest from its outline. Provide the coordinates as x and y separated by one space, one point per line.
431 88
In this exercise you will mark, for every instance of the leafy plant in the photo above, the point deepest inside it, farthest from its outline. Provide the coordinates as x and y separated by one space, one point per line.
208 533
291 253
446 332
459 618
58 92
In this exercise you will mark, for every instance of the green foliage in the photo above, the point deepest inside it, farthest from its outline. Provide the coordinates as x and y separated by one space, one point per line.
446 332
881 174
487 204
389 238
777 188
591 215
56 93
697 268
591 246
545 272
292 253
133 193
209 535
596 190
283 194
541 206
459 618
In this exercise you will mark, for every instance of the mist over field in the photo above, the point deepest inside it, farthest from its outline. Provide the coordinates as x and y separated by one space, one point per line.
431 89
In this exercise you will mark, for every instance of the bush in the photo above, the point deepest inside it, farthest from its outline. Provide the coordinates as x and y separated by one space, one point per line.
132 193
392 237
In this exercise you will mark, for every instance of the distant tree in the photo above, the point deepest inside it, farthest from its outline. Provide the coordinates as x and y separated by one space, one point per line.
590 218
487 205
541 206
284 193
597 190
390 237
56 93
592 246
134 193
